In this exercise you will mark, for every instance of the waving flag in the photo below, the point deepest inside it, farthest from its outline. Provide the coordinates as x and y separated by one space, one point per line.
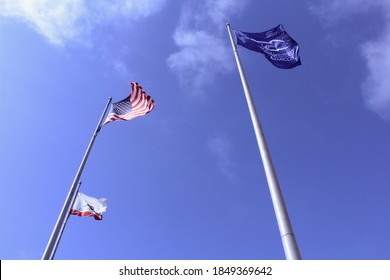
138 103
86 206
275 44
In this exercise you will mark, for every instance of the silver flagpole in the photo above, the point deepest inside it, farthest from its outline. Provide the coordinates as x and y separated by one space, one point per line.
73 193
51 247
290 245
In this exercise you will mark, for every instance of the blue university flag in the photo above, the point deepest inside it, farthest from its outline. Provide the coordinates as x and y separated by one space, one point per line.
275 44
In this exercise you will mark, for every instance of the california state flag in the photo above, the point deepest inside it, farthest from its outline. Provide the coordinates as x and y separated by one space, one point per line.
86 206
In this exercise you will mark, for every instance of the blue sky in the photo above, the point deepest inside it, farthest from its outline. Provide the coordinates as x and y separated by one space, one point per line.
186 181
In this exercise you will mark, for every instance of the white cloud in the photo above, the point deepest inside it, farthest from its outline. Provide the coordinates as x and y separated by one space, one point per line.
121 68
56 20
134 9
376 86
61 22
201 37
201 56
220 10
333 10
220 146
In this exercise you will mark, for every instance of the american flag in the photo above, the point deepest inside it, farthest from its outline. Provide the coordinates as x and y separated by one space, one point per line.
138 103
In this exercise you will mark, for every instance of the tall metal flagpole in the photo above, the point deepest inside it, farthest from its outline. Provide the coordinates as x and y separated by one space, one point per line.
73 193
288 239
62 218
